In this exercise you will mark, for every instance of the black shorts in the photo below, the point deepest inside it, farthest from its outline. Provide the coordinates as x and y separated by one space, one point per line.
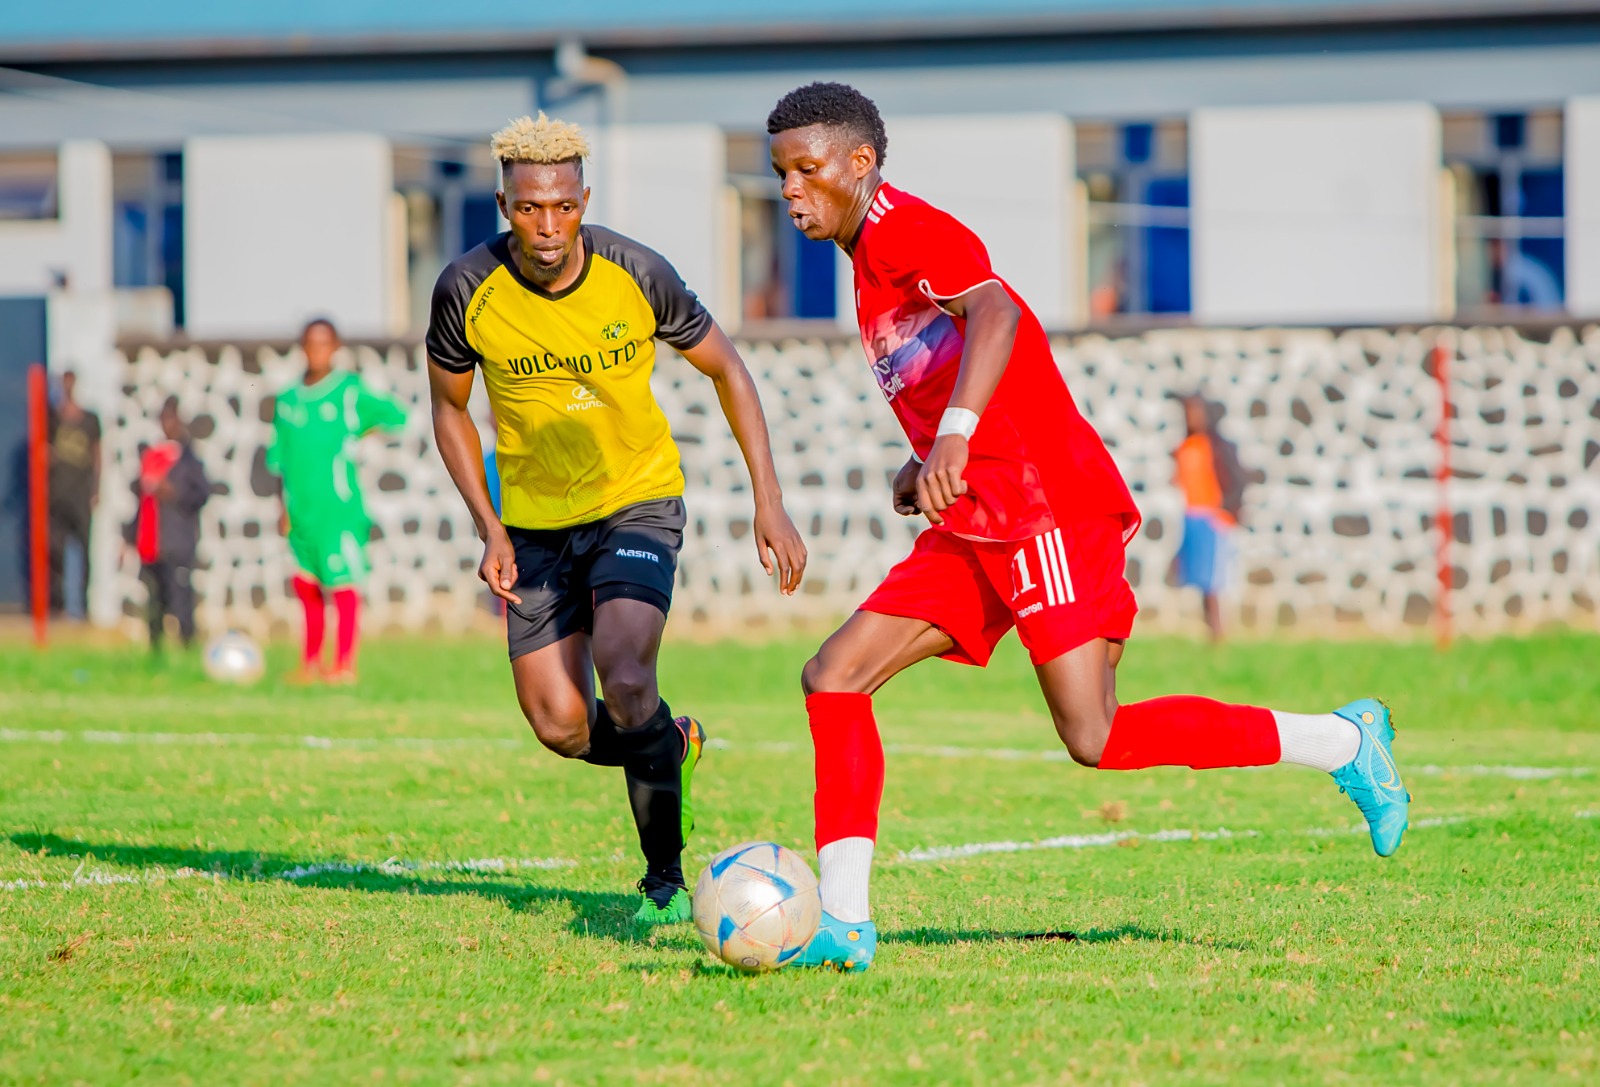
564 574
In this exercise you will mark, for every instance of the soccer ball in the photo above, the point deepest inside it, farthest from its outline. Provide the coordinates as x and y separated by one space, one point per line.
756 905
233 657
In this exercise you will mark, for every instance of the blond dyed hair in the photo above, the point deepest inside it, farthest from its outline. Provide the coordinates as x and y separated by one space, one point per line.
540 142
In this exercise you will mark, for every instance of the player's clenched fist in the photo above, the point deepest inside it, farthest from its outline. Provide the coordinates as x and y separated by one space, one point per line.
939 483
905 488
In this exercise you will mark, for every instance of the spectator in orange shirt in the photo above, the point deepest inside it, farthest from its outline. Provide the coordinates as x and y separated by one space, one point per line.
1213 480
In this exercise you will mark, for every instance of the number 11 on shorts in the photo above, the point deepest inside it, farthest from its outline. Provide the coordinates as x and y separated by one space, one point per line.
1052 559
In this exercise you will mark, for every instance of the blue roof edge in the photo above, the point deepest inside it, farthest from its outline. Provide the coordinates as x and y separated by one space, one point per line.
1025 19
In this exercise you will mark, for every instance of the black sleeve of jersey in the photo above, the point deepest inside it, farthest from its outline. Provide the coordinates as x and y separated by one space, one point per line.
681 321
447 319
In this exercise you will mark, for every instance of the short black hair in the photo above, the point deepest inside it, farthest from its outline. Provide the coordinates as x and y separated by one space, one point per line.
325 322
837 104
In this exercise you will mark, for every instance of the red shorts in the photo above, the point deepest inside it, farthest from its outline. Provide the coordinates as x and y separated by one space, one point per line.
1059 590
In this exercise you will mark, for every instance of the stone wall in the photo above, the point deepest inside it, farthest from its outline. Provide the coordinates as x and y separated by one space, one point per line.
1337 533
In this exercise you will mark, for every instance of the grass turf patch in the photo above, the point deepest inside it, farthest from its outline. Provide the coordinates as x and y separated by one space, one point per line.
395 882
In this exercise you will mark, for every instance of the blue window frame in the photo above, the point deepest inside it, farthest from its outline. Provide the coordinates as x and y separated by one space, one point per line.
1137 177
147 224
783 275
1510 229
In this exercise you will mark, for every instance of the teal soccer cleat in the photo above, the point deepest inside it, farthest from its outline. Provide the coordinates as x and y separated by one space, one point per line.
846 948
1371 779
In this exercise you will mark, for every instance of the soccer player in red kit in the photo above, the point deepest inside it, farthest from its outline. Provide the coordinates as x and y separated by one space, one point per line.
1028 521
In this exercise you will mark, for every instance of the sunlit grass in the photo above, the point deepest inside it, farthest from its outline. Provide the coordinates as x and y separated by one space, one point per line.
267 886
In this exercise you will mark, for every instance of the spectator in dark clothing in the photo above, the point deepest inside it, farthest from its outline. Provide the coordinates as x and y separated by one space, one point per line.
171 488
74 492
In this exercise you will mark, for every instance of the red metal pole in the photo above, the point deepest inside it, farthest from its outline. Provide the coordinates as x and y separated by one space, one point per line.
39 500
1444 520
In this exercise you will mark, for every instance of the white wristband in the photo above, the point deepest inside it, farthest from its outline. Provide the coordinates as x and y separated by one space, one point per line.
957 421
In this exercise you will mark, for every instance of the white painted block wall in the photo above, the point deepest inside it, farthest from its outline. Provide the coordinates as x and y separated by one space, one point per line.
36 256
1023 214
663 185
1583 206
1310 214
280 229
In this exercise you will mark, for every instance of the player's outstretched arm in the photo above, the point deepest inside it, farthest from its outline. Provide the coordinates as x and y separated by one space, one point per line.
377 411
992 319
457 438
778 542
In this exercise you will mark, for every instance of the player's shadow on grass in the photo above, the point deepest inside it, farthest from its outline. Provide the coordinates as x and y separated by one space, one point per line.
934 937
599 914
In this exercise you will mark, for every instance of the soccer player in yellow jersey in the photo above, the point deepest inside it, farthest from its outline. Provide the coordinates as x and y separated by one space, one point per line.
562 317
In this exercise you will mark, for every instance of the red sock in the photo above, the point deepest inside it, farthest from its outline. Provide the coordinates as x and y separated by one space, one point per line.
310 594
347 605
1186 730
849 765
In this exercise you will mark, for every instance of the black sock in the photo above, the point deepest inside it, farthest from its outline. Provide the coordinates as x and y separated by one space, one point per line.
605 747
652 758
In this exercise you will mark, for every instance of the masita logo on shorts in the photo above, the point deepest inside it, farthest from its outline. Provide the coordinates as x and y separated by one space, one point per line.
632 553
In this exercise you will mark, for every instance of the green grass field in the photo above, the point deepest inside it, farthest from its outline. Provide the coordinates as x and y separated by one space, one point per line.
395 883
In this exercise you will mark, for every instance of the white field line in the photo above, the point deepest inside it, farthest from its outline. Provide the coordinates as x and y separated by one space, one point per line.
1516 773
390 867
425 743
1017 754
394 867
1067 841
1091 841
97 878
244 739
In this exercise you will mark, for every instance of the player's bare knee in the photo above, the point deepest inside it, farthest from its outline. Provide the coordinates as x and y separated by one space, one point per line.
811 676
630 694
568 745
830 672
564 733
1087 753
1084 735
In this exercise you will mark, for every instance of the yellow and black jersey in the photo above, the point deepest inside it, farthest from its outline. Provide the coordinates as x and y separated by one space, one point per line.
580 434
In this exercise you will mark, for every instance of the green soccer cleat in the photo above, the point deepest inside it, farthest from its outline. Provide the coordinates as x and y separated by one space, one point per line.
848 949
694 734
678 906
1371 779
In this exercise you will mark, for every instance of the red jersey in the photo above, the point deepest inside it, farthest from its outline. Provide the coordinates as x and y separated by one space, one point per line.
1034 461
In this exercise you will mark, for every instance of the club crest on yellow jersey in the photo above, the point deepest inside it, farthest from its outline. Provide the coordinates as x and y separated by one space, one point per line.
614 331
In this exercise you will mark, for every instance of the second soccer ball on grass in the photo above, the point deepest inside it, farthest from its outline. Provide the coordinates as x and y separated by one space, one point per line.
233 657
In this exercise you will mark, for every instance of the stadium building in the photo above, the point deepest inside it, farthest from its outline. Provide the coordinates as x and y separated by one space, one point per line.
1306 161
216 172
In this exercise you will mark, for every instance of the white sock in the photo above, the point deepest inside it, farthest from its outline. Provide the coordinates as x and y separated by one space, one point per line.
846 867
1324 741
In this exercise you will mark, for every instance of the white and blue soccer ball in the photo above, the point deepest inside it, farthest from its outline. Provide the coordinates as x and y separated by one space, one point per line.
233 657
756 905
